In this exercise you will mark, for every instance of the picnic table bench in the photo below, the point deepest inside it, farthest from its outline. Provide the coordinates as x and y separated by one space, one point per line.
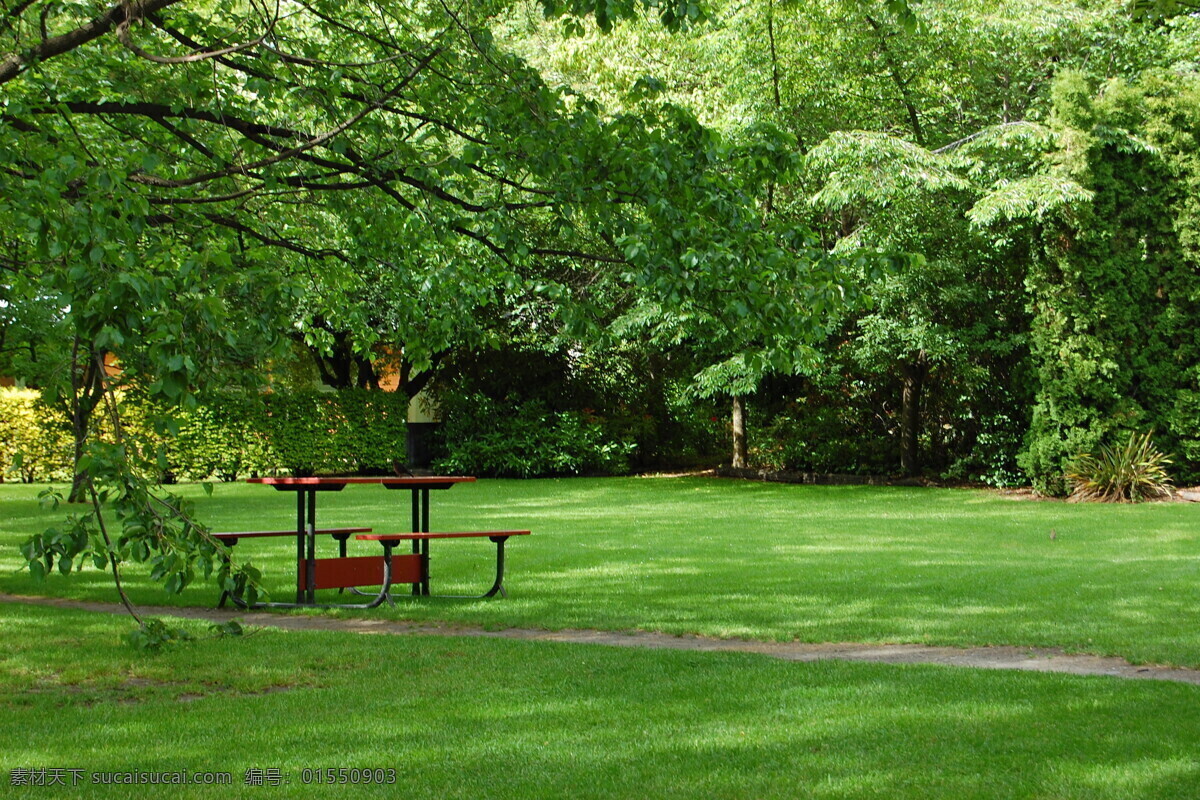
414 568
231 538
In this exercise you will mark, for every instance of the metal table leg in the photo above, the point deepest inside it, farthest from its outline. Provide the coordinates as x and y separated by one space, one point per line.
311 571
425 542
498 585
301 528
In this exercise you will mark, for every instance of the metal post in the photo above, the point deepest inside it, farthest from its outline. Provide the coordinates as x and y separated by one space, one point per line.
425 543
498 586
312 546
416 528
301 527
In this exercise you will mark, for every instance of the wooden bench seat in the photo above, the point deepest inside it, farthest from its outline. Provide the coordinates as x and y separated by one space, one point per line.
414 568
401 537
231 538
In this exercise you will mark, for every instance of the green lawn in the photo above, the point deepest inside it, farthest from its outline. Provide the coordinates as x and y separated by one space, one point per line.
470 718
461 717
737 559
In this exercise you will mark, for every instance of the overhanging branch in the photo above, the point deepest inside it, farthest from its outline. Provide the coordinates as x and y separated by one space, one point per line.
13 64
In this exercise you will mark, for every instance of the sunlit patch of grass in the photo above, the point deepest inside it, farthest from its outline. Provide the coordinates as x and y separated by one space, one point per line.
731 558
468 718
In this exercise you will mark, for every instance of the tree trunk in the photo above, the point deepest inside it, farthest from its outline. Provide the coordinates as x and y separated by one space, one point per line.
87 389
79 427
912 383
368 378
413 382
739 433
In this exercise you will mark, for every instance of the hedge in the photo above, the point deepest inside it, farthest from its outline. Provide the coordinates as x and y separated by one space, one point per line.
30 430
231 436
1115 337
299 433
526 440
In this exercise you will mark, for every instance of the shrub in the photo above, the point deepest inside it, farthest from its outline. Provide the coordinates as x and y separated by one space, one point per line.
819 435
301 432
993 457
224 438
485 437
34 444
232 435
1126 474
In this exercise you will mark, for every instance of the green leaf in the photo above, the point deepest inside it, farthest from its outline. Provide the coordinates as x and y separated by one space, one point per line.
230 628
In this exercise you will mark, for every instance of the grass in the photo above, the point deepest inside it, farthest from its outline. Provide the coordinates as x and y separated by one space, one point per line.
758 561
462 717
471 718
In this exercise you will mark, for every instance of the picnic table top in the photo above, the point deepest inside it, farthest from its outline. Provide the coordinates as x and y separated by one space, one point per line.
391 482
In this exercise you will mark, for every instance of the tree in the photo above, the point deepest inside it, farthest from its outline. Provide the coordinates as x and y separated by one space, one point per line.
182 177
1159 10
964 69
1113 204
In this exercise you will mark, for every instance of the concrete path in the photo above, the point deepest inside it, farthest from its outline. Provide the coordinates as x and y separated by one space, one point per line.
1011 658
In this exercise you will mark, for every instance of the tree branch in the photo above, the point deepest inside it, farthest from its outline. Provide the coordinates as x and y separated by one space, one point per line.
233 224
584 256
243 169
902 85
248 70
125 39
971 137
158 111
186 138
13 64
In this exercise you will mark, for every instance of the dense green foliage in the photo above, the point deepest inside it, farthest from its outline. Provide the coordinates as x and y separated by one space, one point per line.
949 140
526 439
231 435
33 444
535 408
1117 296
294 432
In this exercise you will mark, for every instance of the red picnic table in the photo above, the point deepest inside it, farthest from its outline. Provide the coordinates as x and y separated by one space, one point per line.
346 572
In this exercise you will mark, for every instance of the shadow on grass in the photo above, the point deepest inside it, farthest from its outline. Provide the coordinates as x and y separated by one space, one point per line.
766 561
469 718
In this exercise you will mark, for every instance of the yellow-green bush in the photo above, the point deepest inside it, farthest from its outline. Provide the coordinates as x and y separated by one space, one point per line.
301 432
233 435
32 437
